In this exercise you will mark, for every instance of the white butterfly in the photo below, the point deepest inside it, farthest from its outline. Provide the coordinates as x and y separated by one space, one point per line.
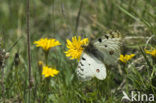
105 49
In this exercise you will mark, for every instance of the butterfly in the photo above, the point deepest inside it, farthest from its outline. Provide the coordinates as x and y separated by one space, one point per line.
99 54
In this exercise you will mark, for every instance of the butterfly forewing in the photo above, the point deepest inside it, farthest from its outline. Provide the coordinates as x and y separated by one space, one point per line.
89 66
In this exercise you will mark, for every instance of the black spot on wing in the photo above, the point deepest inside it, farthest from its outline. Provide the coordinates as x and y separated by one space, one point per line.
81 64
100 40
83 58
107 37
97 70
79 74
111 52
81 69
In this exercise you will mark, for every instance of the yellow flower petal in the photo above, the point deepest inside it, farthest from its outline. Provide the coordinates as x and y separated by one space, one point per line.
46 43
126 58
151 52
47 72
75 48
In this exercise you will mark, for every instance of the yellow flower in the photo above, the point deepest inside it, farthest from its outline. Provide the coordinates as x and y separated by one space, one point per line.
75 48
46 43
49 71
151 52
126 58
40 63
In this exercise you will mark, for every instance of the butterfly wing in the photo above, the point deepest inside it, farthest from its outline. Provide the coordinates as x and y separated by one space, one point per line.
100 71
89 67
109 46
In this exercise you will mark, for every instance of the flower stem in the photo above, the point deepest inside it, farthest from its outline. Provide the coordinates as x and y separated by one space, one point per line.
46 57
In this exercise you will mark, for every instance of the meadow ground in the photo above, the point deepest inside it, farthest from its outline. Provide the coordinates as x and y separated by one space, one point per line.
63 19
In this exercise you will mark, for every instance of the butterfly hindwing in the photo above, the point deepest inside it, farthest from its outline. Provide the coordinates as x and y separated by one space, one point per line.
89 67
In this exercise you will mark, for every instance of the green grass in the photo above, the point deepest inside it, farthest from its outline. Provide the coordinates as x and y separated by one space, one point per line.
57 19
